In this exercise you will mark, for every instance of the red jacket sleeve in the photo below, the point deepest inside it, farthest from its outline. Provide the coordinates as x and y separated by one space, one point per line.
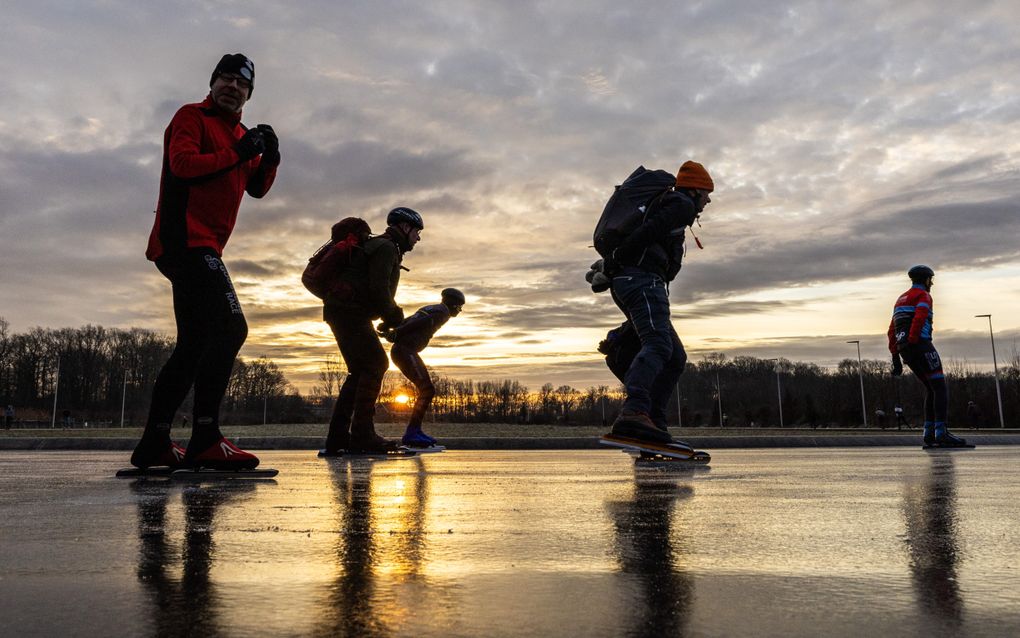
186 159
892 337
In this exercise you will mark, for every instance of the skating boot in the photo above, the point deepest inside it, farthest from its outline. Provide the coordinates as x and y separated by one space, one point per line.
150 453
947 439
223 455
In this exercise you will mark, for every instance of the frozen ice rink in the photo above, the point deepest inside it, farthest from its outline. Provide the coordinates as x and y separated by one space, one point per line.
806 542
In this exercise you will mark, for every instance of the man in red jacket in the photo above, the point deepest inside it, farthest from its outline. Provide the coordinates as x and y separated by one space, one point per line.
210 159
910 342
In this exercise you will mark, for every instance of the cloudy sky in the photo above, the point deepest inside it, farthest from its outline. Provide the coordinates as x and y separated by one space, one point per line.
848 141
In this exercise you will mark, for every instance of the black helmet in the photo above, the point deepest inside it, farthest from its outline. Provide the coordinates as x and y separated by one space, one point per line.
404 215
920 274
454 296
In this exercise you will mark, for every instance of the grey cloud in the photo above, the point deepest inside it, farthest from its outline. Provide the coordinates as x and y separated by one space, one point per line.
846 139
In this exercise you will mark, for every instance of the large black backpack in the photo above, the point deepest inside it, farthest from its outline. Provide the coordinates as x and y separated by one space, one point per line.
322 275
629 206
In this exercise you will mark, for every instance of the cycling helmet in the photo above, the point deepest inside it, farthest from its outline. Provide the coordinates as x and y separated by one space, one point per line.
920 274
404 215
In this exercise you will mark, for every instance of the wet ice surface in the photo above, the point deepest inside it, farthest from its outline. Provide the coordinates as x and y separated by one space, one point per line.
840 542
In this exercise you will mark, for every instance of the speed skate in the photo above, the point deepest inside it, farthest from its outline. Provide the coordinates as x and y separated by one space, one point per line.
196 474
700 457
656 451
396 453
429 449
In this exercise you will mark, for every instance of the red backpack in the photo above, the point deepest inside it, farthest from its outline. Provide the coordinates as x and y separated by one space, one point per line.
322 274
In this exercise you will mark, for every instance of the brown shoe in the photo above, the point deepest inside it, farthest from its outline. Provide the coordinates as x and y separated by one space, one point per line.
633 424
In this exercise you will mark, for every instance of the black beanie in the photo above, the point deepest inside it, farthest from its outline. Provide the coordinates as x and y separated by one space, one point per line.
239 64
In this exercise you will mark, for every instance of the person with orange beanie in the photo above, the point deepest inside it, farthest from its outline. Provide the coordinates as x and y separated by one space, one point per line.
641 269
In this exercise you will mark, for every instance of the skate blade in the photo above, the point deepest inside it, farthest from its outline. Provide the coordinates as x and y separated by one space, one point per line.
205 473
150 472
391 454
663 449
326 454
700 457
426 450
948 448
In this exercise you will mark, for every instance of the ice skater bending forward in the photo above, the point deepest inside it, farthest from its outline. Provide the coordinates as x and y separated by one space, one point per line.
410 338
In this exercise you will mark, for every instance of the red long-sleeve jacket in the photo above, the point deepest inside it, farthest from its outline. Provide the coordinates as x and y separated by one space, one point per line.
203 180
912 319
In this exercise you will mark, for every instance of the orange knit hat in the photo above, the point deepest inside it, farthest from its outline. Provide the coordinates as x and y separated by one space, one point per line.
694 175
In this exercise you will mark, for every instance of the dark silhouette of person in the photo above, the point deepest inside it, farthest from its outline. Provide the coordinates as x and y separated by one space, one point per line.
644 547
188 606
351 612
931 520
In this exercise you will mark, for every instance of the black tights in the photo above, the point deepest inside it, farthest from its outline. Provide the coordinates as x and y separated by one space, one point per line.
924 361
210 331
414 369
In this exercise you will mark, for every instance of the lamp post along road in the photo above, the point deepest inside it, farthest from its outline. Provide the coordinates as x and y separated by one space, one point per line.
56 388
123 399
779 391
718 396
860 374
995 366
679 408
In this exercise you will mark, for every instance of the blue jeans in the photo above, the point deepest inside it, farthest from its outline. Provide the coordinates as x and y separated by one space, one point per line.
657 367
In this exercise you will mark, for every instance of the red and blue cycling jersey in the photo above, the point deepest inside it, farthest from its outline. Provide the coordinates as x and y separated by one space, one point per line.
912 318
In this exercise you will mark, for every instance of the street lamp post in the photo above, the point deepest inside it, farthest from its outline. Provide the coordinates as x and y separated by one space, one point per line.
995 366
718 396
123 399
679 408
779 391
56 388
860 374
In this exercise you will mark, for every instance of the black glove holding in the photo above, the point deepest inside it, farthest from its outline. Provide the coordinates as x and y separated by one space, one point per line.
272 152
392 319
897 365
610 266
253 143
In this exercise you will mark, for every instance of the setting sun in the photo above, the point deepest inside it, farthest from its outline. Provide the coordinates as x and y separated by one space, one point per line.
401 398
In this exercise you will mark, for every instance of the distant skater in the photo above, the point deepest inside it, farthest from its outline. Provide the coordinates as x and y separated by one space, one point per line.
974 415
901 421
640 266
210 159
409 339
910 339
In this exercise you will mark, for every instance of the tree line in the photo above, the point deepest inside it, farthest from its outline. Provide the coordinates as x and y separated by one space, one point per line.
99 374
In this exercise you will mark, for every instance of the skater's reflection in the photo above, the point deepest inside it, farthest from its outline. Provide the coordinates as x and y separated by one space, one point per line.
186 605
646 547
351 611
412 546
381 535
931 521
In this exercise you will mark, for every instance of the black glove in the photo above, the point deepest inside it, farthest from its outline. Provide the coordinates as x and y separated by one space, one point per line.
392 319
897 365
610 266
272 152
253 143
